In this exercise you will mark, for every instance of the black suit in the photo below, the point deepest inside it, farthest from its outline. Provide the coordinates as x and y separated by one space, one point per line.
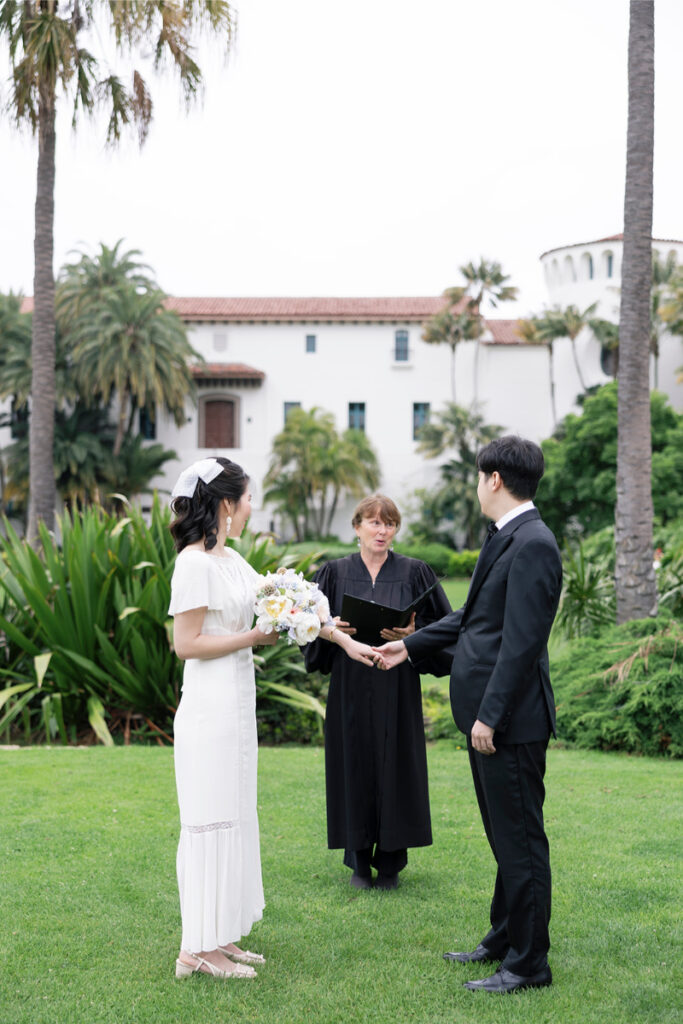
500 676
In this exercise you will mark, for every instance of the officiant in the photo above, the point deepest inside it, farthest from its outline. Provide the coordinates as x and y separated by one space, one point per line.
375 757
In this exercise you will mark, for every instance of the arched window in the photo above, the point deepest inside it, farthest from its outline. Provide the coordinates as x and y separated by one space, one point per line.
554 272
587 267
568 269
217 422
608 260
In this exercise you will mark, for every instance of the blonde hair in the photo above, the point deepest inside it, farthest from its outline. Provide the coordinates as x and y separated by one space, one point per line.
377 505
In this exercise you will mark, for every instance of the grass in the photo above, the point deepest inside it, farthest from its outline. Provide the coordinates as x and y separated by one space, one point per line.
91 921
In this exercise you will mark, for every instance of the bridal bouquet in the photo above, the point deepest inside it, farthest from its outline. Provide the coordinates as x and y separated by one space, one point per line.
290 604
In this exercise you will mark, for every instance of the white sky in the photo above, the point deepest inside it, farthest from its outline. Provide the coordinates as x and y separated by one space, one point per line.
369 147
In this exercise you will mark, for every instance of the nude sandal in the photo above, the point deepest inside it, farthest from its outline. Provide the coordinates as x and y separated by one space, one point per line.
183 970
247 957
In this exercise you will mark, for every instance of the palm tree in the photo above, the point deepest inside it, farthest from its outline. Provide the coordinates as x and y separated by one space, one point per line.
486 283
312 466
50 64
450 327
533 331
461 432
664 273
568 323
84 283
634 574
126 342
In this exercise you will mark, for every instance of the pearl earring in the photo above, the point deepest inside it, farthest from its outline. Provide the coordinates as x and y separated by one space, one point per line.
358 541
228 524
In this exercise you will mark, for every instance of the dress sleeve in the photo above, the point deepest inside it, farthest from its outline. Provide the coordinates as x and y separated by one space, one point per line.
193 584
319 656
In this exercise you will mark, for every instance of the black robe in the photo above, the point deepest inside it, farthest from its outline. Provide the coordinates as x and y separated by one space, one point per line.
375 757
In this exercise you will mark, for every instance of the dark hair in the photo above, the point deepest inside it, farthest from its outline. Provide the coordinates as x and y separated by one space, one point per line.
196 518
377 505
519 462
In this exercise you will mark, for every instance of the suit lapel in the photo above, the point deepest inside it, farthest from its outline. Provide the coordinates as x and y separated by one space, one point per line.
493 550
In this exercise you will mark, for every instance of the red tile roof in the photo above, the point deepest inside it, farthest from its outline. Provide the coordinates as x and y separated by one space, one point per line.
504 332
399 309
236 371
307 310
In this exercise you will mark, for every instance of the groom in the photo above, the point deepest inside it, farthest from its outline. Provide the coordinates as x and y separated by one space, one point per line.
502 700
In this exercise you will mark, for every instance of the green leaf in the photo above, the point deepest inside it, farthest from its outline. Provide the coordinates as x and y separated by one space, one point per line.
41 662
96 719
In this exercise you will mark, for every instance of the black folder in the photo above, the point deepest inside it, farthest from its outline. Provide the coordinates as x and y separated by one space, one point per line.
369 617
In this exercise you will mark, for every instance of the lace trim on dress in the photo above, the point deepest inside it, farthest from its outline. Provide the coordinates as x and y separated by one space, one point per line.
213 827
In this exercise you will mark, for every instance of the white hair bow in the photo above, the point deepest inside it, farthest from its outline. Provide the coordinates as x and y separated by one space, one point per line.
206 470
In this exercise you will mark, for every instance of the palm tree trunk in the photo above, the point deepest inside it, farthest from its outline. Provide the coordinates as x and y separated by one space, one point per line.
634 574
551 376
121 425
453 374
577 364
42 489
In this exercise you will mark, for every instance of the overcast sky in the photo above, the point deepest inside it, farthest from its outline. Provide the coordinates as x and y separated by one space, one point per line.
369 147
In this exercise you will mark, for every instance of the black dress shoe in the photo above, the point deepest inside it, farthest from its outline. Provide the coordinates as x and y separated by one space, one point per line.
386 882
479 955
505 981
360 881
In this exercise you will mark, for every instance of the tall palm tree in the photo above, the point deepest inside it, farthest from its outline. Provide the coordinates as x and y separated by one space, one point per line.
485 284
128 344
634 574
50 64
568 323
460 432
534 331
450 327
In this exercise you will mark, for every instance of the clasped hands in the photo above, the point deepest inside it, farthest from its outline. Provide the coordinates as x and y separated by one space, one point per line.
377 656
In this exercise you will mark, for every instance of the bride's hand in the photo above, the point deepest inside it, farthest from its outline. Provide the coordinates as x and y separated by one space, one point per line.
261 639
357 651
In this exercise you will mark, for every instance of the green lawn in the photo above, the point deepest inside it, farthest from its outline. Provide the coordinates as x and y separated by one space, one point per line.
91 921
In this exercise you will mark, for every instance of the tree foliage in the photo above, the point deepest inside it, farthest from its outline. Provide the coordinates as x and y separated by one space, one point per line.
450 513
577 494
313 466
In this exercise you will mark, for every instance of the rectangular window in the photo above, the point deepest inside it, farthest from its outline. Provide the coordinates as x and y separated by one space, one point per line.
288 408
420 417
310 342
401 347
356 415
148 425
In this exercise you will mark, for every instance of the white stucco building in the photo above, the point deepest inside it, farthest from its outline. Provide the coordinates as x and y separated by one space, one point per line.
364 360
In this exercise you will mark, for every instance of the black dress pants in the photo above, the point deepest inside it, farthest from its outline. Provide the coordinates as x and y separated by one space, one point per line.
387 862
510 792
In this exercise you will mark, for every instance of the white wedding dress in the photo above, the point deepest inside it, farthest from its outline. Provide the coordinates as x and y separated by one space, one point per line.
219 863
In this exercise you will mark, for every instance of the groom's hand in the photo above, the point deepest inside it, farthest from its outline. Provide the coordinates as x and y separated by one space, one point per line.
390 655
482 738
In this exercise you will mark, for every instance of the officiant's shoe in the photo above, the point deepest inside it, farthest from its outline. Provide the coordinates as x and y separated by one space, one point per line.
360 881
386 882
479 955
505 981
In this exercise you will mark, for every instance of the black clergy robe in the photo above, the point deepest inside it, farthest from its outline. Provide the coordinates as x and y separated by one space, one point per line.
375 756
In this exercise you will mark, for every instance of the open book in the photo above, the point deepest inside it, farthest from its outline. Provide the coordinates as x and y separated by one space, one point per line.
369 617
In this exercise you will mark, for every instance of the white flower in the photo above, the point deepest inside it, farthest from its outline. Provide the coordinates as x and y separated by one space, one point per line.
306 628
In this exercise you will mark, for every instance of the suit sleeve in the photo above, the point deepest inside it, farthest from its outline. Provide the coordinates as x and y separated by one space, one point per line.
434 637
532 596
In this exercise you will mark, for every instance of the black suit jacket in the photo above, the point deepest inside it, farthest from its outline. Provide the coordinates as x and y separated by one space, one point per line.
500 673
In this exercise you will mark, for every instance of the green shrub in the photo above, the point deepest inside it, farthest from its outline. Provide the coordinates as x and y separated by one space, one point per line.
86 637
438 556
623 690
462 563
438 717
